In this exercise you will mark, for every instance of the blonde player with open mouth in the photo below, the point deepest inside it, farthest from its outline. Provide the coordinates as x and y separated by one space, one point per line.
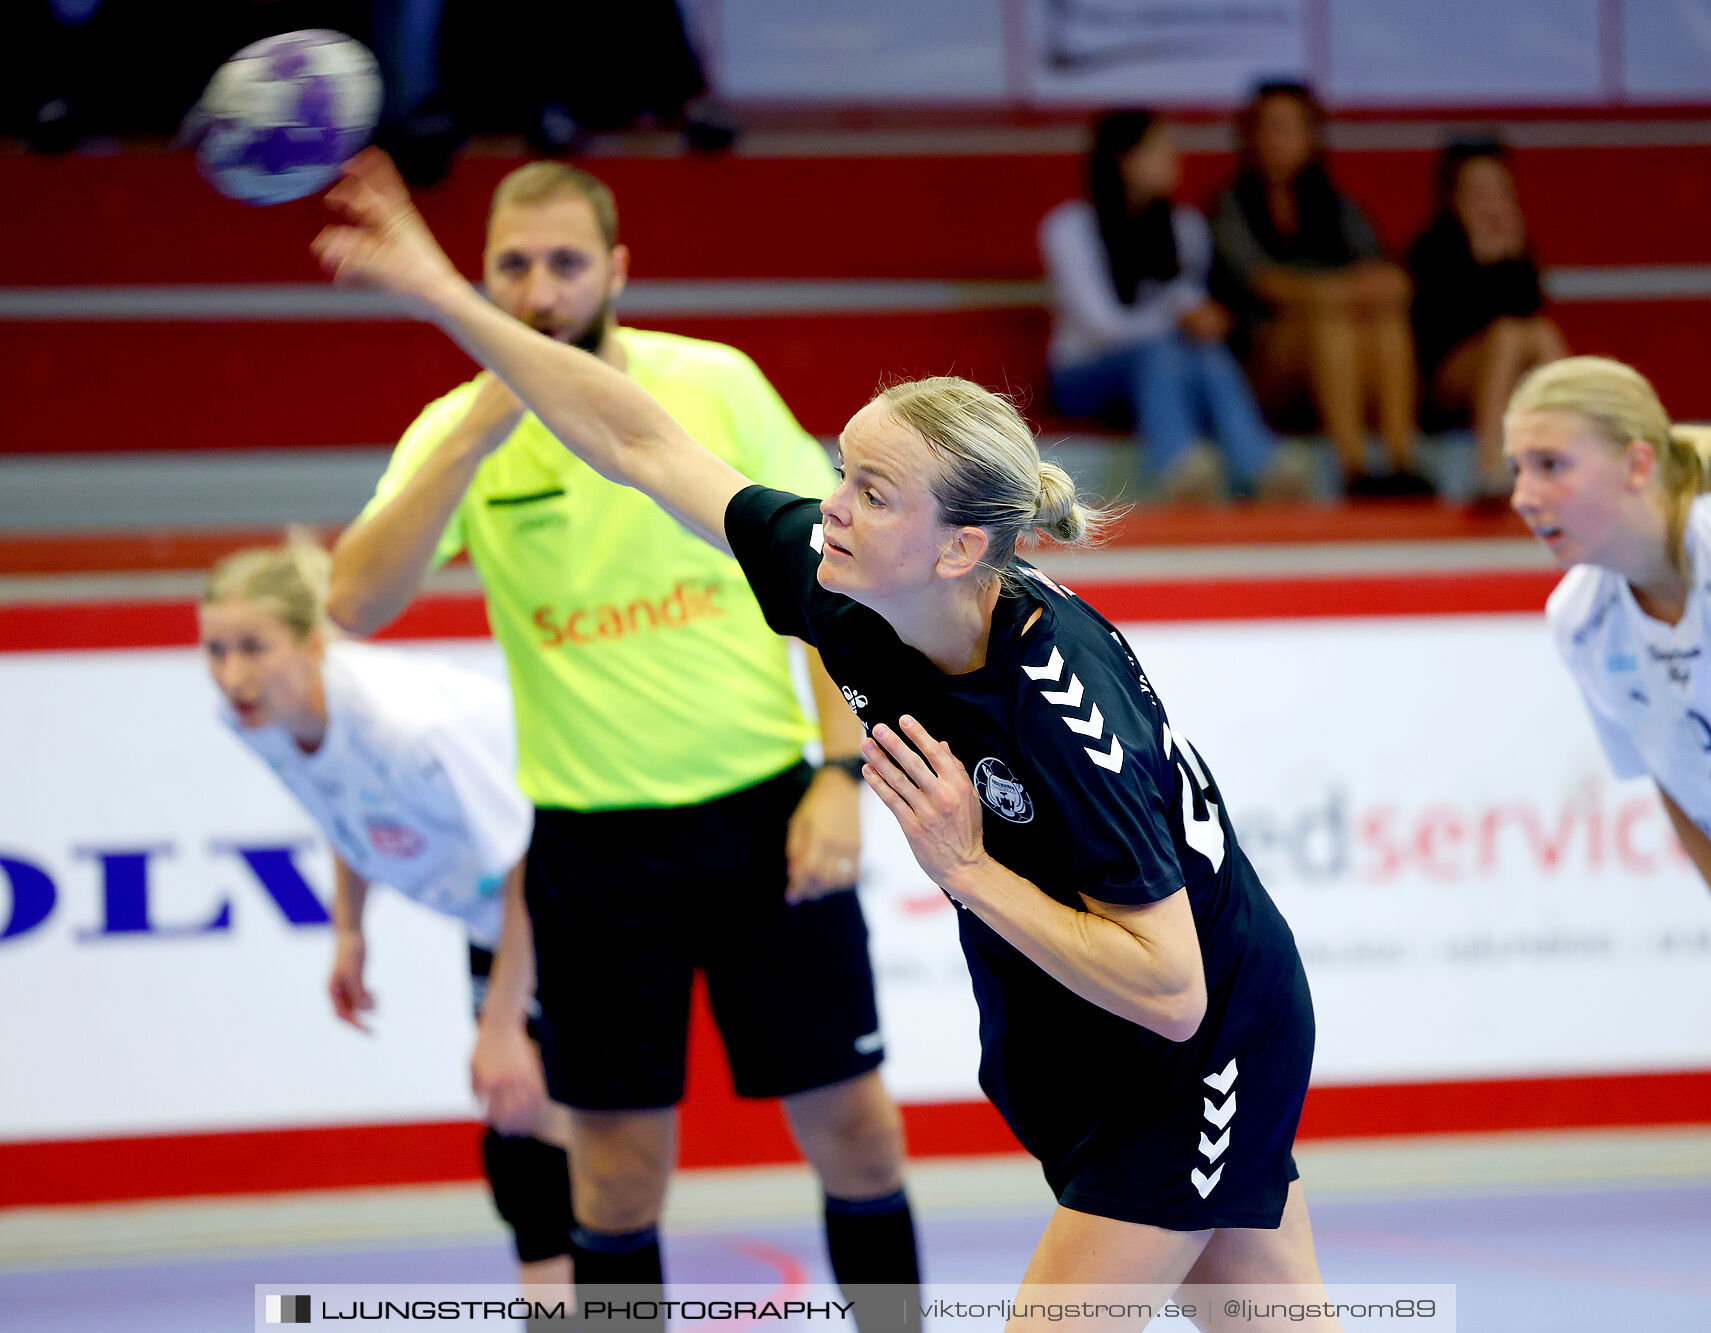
1613 490
405 765
1146 1028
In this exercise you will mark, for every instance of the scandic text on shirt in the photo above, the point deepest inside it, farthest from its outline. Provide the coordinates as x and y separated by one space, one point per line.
690 600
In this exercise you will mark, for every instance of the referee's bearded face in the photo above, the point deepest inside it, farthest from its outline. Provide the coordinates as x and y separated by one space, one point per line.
548 265
266 673
884 538
1586 500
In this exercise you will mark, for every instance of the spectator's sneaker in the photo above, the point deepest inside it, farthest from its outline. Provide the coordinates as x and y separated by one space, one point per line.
1289 477
54 127
1195 478
423 147
1400 484
707 128
1489 503
1492 490
554 132
1410 484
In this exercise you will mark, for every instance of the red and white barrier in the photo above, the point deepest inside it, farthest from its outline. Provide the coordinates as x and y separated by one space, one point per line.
1497 933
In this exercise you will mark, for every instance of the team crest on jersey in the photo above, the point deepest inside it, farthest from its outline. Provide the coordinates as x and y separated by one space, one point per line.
390 838
1001 793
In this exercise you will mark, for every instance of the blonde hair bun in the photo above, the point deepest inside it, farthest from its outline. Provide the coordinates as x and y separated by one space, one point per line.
1696 437
1060 514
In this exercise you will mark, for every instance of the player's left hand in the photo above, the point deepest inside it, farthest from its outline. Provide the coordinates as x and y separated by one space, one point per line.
351 998
931 794
505 1072
822 846
381 240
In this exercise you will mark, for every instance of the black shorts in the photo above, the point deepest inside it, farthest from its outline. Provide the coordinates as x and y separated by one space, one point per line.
480 969
1212 1146
626 906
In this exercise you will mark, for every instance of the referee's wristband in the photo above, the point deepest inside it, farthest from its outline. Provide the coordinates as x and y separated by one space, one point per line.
850 764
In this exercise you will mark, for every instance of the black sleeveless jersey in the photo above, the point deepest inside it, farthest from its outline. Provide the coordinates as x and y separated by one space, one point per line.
1086 789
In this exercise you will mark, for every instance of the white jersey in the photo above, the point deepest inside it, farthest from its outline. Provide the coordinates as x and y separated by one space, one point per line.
415 782
1647 684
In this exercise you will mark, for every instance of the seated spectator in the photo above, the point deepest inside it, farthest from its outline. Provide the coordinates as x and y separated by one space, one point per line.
1478 309
1135 336
1322 314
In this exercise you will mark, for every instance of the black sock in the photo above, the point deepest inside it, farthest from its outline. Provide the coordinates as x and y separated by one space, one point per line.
871 1243
620 1274
550 1323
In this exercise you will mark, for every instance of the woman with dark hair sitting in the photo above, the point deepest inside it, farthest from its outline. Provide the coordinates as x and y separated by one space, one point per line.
1478 308
1323 314
1135 335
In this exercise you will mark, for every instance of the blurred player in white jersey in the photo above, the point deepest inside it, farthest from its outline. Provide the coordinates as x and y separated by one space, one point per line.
406 765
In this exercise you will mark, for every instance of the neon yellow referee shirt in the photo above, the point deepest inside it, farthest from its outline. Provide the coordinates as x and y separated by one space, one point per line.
642 670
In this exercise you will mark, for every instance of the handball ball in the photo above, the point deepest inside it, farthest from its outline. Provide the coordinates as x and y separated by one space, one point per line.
280 116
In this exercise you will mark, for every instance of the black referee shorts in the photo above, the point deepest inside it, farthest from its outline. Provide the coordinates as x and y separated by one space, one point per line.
626 906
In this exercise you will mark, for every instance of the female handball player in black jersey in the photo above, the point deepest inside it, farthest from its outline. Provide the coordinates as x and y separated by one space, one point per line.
1145 1024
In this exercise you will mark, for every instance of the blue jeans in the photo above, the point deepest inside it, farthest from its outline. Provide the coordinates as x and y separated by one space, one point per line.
1174 389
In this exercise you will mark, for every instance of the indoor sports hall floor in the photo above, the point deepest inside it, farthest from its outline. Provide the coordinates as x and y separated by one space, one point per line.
1557 1233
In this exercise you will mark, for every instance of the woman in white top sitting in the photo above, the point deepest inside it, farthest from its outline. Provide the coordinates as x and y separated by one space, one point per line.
407 766
1135 337
1605 480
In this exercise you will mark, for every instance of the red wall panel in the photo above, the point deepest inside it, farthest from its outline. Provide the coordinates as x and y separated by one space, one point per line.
147 218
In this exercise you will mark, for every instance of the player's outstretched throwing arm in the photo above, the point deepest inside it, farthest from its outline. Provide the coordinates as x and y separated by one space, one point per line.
596 411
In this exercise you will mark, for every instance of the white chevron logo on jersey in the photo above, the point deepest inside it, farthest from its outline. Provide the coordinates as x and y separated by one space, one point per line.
1050 671
1111 760
1224 1081
1070 698
1093 725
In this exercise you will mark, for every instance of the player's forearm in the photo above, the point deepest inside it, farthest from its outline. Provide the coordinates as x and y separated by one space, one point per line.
379 561
350 894
512 983
1691 836
1142 980
597 411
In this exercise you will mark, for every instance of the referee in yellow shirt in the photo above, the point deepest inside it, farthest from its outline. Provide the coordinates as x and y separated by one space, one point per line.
660 739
